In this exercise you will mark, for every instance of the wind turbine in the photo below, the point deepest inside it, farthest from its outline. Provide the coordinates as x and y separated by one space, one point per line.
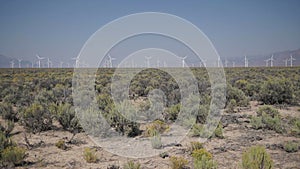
49 63
39 60
286 62
218 62
271 60
267 62
76 61
233 64
12 64
157 63
148 60
110 59
246 61
291 60
20 60
226 63
183 60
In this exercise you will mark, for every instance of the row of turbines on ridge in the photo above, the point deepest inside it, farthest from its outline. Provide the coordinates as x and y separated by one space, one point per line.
108 62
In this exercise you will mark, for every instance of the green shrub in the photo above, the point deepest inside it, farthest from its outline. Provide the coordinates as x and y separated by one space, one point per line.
272 123
61 144
219 131
267 118
178 162
8 128
90 155
203 159
256 122
157 126
269 110
12 156
36 118
195 145
236 94
255 158
67 118
132 165
291 147
231 105
7 112
171 113
277 91
295 131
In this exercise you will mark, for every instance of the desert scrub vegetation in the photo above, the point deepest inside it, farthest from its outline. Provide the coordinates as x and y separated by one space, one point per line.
195 145
132 165
267 118
61 144
36 118
256 157
7 112
295 129
198 131
178 162
277 91
203 159
291 146
90 155
10 154
156 127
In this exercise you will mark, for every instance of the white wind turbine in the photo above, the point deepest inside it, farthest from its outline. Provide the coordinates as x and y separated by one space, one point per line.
39 60
204 62
20 60
246 61
12 64
148 60
218 62
286 62
271 60
233 64
267 62
291 60
76 61
110 60
49 63
183 60
226 63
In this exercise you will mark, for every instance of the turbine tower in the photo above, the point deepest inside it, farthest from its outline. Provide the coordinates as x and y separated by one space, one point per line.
271 60
226 63
183 60
12 64
267 62
233 64
76 61
204 62
20 60
49 63
218 62
291 60
246 61
39 60
110 59
148 60
286 62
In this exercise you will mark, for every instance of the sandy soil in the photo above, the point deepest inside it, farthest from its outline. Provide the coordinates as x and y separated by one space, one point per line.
227 152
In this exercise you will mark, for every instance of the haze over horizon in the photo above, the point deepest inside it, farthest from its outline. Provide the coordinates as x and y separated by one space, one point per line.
58 29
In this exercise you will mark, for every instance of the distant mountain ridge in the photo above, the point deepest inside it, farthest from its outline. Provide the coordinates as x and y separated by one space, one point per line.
259 60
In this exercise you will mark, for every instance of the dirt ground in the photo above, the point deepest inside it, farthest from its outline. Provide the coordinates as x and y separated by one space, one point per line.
227 152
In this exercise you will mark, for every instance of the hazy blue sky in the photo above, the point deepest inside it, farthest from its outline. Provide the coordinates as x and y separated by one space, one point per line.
59 28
